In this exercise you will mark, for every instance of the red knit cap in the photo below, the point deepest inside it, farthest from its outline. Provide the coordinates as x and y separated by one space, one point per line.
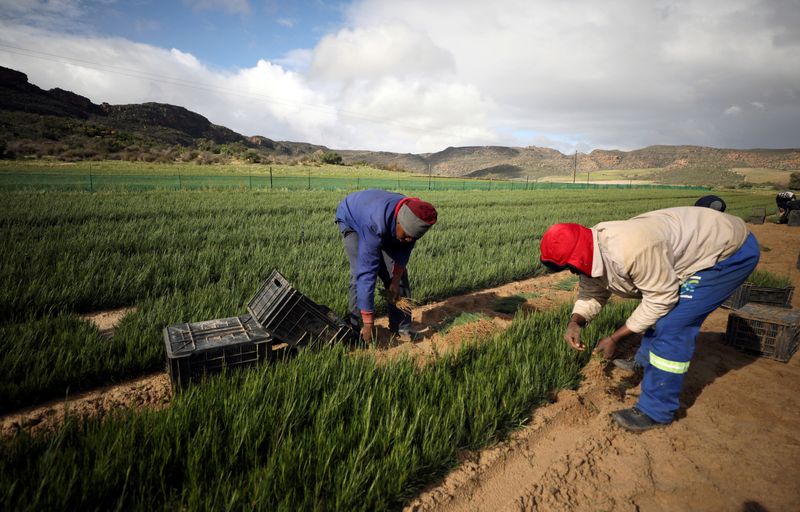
568 245
416 216
424 211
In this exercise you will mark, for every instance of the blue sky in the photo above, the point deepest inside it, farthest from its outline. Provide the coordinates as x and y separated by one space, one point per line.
422 75
234 36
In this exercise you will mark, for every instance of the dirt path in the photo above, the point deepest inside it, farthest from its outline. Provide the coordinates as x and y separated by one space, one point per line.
734 447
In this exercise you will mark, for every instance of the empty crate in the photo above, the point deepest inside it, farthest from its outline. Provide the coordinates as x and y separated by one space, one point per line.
201 348
291 317
770 331
748 293
759 216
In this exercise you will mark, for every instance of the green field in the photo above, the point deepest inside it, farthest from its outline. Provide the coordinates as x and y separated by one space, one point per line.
765 176
621 176
107 176
326 430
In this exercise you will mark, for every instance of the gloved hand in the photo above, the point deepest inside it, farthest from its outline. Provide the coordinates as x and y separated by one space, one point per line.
573 336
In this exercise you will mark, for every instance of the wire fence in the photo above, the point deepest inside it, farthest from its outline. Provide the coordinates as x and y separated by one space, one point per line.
132 182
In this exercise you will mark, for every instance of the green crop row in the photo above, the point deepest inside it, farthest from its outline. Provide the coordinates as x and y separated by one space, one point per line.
183 256
323 431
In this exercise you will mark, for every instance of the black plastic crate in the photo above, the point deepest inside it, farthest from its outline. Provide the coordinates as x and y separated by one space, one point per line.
747 293
766 330
204 348
759 216
793 218
292 318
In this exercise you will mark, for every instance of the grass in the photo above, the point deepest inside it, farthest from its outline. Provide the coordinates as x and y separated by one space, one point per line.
610 175
462 319
508 305
767 279
114 167
567 284
765 175
183 256
324 431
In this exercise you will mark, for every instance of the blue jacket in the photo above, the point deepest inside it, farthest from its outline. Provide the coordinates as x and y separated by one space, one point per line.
370 213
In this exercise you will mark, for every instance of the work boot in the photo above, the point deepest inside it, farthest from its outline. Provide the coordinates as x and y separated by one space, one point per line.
405 335
629 365
635 420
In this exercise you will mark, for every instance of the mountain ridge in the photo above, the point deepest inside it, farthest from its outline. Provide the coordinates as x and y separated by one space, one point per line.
63 125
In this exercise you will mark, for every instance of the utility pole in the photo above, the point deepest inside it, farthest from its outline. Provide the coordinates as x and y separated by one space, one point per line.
574 166
429 176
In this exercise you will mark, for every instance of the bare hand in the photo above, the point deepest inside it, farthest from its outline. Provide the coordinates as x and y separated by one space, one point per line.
366 333
607 347
573 336
394 291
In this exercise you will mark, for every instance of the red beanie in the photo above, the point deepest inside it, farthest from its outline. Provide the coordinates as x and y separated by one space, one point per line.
424 211
416 216
568 245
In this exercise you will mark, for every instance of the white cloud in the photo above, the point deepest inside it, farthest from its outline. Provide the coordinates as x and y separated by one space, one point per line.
286 22
621 73
231 6
393 50
733 110
420 75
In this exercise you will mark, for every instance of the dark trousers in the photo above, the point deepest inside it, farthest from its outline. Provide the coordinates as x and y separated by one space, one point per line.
398 321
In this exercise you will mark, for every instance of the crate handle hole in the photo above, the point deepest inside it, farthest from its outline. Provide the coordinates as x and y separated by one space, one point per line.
277 283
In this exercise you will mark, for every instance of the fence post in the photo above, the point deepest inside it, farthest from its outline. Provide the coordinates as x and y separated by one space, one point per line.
179 182
250 179
526 182
91 185
270 177
309 178
358 182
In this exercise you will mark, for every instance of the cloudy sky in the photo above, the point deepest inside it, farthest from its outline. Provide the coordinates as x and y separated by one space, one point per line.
422 75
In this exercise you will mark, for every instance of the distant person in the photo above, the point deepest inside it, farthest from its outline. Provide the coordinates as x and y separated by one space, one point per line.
379 230
787 202
681 262
713 202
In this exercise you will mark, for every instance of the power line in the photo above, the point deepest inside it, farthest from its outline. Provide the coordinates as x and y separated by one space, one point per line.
181 82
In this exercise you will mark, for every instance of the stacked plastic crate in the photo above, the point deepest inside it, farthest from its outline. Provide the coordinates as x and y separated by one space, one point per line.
279 315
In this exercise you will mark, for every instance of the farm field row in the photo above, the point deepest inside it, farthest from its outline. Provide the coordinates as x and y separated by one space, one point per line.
325 430
196 255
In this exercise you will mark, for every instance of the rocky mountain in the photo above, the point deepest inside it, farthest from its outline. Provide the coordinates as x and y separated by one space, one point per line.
65 125
534 162
61 124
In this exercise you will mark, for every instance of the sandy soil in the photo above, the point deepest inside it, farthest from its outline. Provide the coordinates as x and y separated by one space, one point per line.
734 446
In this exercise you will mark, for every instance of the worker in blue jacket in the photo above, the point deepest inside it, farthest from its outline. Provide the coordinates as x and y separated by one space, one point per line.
379 230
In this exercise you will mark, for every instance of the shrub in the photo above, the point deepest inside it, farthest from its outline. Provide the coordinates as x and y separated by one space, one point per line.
331 157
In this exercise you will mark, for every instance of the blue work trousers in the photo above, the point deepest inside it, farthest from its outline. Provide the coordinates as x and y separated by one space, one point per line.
668 346
398 319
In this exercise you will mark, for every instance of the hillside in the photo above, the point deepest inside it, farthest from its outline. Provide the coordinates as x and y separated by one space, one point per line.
59 124
67 126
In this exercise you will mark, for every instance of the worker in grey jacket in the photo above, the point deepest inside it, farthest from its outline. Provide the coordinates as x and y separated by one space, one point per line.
681 262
